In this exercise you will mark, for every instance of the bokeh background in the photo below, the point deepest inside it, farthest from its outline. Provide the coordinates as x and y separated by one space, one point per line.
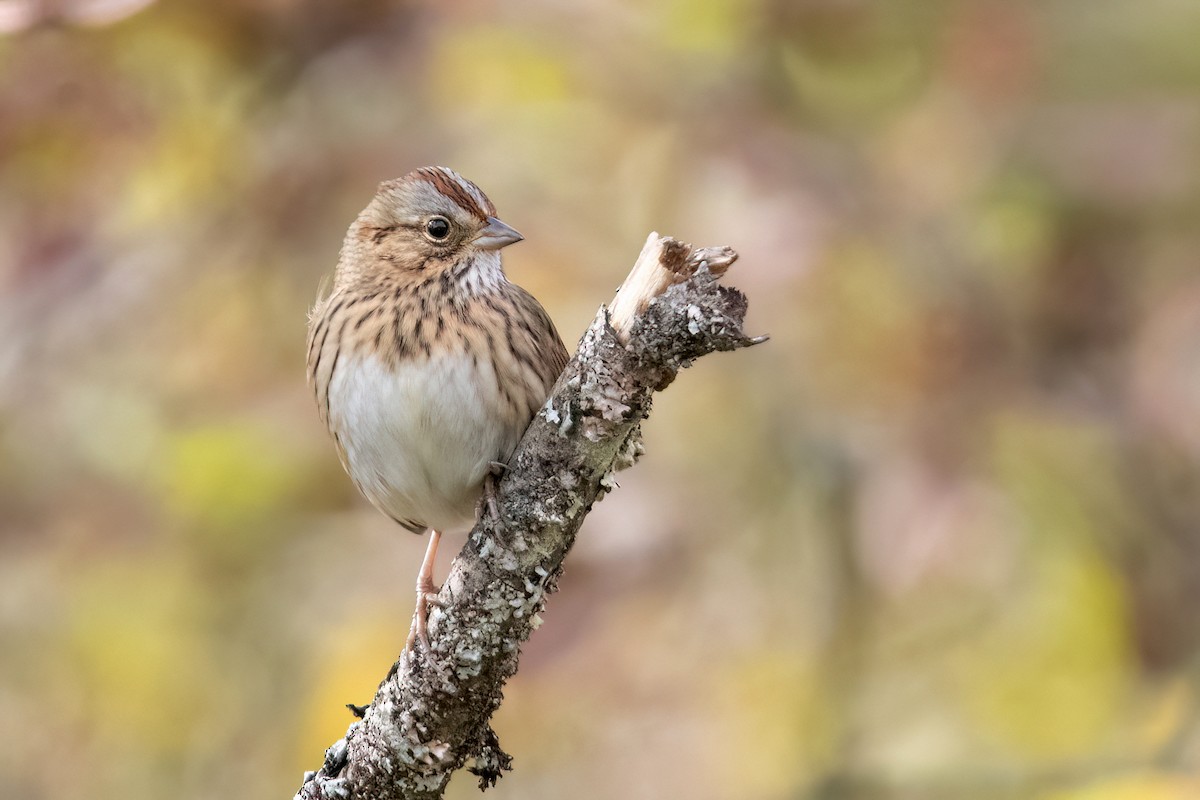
940 538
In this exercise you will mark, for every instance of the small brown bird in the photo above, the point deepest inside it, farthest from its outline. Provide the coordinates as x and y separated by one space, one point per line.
426 362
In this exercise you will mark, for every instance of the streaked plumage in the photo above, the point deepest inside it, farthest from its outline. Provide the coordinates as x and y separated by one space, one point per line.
426 362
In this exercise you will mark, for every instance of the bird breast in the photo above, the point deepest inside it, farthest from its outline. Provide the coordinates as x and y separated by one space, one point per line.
418 437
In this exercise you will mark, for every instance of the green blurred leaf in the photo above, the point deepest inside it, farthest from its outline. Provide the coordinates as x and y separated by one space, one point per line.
230 484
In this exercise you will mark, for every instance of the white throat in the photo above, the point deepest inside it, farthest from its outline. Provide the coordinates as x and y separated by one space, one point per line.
485 274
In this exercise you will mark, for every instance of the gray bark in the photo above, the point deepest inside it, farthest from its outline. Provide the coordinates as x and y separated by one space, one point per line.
430 716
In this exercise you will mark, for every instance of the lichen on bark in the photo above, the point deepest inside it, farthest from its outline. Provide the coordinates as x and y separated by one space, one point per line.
431 713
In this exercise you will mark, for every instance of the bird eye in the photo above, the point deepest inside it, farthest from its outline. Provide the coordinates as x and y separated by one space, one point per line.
438 227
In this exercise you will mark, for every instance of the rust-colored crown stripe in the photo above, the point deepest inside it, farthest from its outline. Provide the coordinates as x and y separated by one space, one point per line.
452 186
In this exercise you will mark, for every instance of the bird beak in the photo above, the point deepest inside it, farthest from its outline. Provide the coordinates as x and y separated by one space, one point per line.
496 235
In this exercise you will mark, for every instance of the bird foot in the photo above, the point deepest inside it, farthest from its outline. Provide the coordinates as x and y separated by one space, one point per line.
491 489
427 595
418 632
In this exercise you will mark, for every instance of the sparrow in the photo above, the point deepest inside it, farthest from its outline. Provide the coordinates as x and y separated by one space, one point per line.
426 362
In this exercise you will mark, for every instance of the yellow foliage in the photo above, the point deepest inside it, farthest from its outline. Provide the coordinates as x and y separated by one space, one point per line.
779 720
487 69
348 668
227 482
139 653
712 28
1049 680
201 105
1147 786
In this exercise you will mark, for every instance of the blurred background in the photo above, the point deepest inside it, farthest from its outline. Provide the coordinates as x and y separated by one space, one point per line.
940 538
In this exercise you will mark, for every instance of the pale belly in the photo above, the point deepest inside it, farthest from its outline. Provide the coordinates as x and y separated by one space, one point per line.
418 441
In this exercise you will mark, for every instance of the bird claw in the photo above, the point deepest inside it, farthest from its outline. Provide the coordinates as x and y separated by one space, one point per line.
418 632
491 490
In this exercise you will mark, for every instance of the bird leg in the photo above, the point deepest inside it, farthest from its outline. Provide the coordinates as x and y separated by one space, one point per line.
427 595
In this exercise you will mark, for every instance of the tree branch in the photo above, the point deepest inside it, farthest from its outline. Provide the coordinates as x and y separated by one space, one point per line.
430 714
